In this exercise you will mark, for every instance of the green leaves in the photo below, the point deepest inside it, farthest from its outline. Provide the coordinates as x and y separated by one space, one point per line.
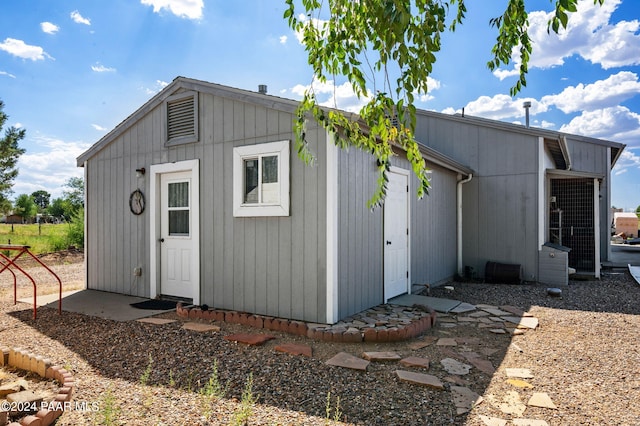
366 41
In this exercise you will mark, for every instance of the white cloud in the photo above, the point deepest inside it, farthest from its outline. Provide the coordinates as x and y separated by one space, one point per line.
7 74
190 9
79 19
617 124
283 39
99 128
50 168
502 106
589 34
318 23
330 95
22 50
101 68
49 28
158 86
601 94
628 160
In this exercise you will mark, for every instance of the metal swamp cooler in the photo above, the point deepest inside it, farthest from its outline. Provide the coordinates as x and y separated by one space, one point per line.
503 273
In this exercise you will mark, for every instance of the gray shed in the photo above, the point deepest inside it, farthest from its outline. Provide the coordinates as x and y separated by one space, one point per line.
199 195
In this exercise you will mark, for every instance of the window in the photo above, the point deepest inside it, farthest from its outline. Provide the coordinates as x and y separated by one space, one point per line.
182 118
178 208
261 180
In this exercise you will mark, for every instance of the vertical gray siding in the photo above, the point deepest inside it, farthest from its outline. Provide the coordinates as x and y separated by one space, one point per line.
272 266
500 212
360 266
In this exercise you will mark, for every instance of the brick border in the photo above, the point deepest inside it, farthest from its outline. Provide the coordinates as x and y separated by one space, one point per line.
24 360
316 332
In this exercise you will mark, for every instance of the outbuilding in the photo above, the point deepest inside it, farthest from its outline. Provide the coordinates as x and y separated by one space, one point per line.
199 195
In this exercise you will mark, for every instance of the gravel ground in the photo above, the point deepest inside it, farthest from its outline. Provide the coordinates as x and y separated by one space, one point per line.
584 355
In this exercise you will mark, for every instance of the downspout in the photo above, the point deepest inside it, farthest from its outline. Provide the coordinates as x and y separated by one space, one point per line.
459 224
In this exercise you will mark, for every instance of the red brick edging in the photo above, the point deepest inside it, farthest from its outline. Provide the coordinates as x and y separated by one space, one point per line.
300 328
19 358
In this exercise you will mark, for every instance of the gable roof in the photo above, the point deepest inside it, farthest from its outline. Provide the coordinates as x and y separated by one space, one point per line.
556 140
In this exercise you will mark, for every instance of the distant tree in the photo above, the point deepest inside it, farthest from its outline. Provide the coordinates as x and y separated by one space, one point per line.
638 211
41 198
9 154
25 207
5 206
75 194
60 208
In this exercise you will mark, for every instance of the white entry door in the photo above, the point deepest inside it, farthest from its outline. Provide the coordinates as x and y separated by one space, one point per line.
396 235
176 235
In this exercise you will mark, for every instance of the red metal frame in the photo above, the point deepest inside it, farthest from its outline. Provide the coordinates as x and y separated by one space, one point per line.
7 262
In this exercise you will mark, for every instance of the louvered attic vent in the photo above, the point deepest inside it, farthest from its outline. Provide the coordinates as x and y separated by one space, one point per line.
182 123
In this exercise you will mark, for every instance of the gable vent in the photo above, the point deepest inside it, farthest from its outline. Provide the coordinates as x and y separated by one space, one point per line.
181 120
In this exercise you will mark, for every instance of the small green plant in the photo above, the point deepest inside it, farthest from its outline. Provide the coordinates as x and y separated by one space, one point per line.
144 378
242 415
109 409
212 391
337 413
172 380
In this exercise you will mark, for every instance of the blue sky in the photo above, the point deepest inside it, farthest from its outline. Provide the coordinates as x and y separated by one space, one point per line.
71 70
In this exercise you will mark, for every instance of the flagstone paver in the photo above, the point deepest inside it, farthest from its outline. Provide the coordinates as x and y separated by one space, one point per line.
414 361
519 373
529 422
381 356
346 360
200 327
493 421
447 341
483 365
295 349
520 383
455 367
528 322
510 403
542 400
464 399
249 339
156 321
498 331
420 379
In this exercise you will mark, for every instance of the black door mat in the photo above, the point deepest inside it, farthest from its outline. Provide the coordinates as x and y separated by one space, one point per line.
155 304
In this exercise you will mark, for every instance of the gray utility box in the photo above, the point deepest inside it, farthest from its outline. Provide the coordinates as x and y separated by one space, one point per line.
553 264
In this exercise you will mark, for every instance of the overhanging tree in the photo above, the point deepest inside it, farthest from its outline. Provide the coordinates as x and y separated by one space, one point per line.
10 152
368 41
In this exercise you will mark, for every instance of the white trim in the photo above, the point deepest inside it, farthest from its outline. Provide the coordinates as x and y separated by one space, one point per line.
596 226
281 149
156 170
332 230
608 202
86 227
542 195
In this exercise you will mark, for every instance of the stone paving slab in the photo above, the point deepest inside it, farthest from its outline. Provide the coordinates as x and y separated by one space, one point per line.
464 399
295 349
520 383
420 379
346 360
249 339
447 341
635 272
156 321
200 327
436 303
493 421
528 322
381 356
542 400
519 373
415 361
455 367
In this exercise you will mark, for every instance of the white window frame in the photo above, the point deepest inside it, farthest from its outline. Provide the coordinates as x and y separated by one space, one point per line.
247 152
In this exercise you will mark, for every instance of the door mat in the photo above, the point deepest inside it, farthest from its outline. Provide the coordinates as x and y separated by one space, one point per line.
155 304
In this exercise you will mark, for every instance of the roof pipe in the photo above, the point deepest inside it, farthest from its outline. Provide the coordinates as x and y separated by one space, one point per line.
459 219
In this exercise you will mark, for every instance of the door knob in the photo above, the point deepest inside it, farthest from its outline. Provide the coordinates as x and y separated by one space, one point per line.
161 240
388 243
